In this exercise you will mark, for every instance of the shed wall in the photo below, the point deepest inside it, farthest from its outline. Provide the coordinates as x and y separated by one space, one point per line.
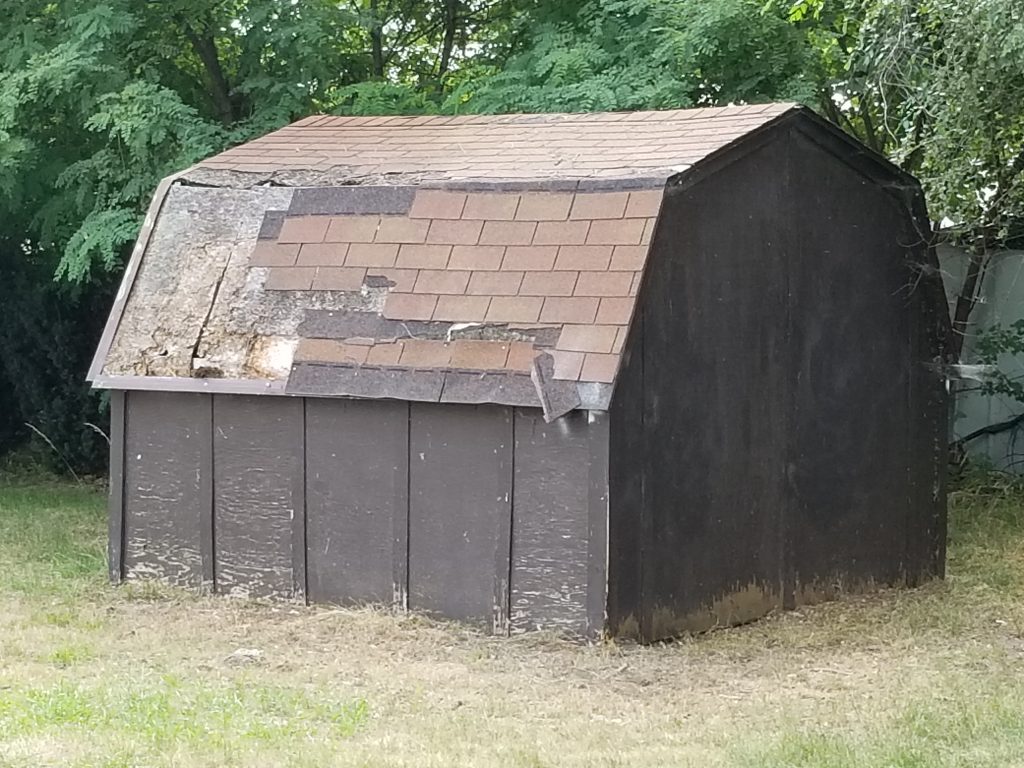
778 375
479 513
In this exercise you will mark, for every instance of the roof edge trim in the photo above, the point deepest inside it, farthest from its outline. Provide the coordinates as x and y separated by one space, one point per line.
131 272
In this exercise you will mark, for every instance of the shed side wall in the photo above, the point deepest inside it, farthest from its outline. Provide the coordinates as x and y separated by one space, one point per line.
791 435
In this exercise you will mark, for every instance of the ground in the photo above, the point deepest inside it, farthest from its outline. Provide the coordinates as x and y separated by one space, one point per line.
142 675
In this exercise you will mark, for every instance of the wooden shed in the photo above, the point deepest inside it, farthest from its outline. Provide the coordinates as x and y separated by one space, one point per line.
641 373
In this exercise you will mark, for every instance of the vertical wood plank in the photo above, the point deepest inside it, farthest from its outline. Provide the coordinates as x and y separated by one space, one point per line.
356 492
597 525
166 471
257 448
115 532
204 449
550 527
300 577
460 481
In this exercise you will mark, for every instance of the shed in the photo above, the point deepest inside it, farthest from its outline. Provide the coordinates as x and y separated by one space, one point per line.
642 373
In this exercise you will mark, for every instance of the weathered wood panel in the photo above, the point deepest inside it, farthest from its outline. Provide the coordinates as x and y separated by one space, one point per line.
597 524
258 492
357 485
166 480
850 363
551 520
460 481
115 504
626 470
715 377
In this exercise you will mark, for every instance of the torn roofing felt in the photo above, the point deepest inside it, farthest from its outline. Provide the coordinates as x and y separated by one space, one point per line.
485 259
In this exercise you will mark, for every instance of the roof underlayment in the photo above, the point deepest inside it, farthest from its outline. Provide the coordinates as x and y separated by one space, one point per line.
484 259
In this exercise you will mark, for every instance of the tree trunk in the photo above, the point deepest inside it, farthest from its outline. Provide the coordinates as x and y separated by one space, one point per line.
376 39
451 20
206 49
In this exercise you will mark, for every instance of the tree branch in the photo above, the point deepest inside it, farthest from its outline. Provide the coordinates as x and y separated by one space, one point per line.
206 49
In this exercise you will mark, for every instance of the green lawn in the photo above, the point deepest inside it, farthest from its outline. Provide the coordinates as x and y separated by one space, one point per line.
147 676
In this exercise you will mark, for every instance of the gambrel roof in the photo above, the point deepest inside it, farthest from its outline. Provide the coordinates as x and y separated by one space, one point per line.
477 259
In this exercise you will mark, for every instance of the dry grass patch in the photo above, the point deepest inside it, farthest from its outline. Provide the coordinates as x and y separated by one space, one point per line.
148 676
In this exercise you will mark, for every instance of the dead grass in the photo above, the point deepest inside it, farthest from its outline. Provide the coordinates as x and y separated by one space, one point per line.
144 675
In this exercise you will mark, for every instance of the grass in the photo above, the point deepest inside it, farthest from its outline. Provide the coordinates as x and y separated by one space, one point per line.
144 675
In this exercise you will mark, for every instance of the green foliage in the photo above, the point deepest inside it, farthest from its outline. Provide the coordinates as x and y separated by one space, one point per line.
938 86
644 54
994 346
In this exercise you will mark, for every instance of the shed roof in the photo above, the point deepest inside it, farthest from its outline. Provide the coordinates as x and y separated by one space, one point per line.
492 147
483 259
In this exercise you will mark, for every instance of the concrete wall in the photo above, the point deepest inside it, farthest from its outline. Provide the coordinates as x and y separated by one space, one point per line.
1003 302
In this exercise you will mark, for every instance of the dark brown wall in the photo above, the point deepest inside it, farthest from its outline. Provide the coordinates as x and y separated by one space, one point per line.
167 482
357 491
777 376
479 513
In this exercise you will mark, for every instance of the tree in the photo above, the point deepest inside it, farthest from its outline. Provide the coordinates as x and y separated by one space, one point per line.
938 86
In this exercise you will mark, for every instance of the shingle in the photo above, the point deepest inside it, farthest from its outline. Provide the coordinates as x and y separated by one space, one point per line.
442 281
616 232
371 255
648 234
493 207
520 356
339 279
583 257
567 364
479 355
480 257
461 309
303 229
599 367
422 353
620 339
529 257
398 229
423 256
599 205
352 229
402 280
615 311
454 232
514 309
507 232
569 310
561 232
437 204
322 254
495 283
544 206
587 338
643 203
634 288
629 258
330 351
385 354
268 254
409 306
290 278
603 284
548 284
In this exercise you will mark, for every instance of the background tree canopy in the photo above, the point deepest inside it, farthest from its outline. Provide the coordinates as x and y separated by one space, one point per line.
99 99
